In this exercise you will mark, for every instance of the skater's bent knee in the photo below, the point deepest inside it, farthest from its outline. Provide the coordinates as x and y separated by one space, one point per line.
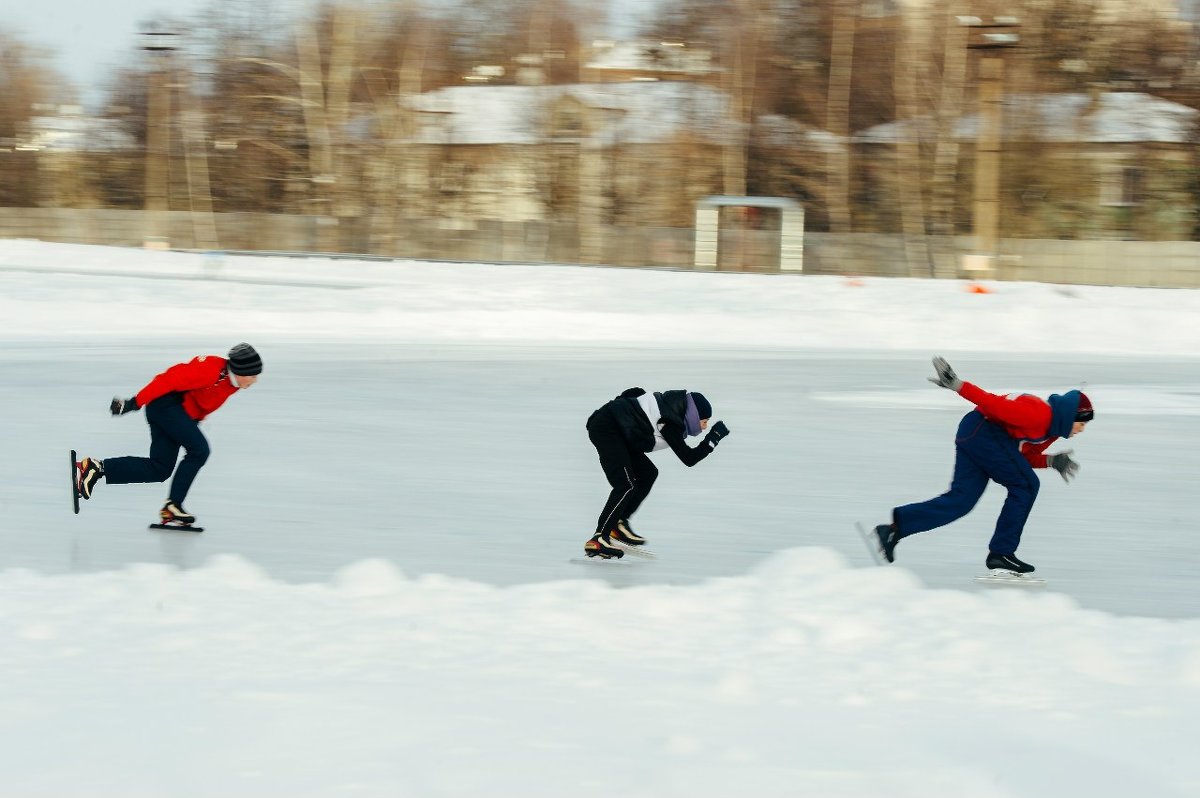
198 453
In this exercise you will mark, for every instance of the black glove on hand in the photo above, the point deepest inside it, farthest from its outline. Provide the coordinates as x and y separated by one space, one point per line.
1063 464
945 375
716 433
120 407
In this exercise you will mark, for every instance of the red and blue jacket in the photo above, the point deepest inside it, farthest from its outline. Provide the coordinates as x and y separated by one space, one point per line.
204 382
1033 422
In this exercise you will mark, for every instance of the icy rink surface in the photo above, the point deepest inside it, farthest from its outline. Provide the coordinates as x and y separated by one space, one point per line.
383 603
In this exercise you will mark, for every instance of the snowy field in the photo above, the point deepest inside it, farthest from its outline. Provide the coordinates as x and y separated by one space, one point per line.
384 603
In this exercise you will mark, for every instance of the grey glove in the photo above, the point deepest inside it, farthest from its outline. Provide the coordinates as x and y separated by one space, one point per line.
1063 464
946 377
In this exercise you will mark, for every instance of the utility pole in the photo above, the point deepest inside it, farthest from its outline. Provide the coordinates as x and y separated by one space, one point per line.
160 45
991 39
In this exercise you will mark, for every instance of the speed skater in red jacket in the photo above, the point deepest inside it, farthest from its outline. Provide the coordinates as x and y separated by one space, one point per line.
176 401
1003 440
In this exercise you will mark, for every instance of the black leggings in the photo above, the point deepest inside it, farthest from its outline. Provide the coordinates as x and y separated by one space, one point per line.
629 472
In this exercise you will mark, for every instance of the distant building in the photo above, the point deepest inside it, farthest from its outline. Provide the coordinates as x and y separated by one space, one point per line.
616 62
636 152
1073 165
67 129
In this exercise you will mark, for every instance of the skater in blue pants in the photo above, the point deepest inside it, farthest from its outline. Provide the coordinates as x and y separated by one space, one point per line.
1002 440
176 401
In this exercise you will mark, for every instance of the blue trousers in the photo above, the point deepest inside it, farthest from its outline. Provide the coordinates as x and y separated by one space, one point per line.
170 429
983 451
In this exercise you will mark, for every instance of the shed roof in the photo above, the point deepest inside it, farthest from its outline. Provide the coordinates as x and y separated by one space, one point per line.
642 112
1108 117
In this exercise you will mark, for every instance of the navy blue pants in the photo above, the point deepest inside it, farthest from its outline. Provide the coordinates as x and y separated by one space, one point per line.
170 429
983 451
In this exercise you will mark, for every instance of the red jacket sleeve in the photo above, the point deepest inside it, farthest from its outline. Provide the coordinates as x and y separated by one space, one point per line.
199 372
1023 416
1035 453
1020 412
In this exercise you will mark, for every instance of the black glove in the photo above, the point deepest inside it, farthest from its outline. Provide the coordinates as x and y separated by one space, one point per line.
1063 464
945 375
120 407
715 434
631 393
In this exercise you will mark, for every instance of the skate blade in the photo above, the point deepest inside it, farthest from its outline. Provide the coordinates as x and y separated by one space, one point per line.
635 551
611 562
871 541
998 576
75 497
177 527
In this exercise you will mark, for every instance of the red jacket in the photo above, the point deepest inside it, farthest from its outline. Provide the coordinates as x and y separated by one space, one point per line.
204 382
1024 416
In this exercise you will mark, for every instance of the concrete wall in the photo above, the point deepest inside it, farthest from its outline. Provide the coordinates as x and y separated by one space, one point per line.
1174 264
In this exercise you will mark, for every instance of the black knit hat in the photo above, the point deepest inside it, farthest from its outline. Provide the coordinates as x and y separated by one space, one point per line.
702 405
244 361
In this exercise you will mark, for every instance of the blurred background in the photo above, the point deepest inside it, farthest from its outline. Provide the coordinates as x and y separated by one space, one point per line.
1054 140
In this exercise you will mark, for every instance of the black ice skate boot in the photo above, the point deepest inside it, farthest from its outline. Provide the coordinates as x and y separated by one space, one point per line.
601 546
90 471
174 515
889 536
1007 562
624 534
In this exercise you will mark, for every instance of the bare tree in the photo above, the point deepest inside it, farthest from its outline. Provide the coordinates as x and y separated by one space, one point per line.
27 84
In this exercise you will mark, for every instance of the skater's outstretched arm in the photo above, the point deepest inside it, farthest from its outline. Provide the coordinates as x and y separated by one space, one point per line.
1023 411
689 455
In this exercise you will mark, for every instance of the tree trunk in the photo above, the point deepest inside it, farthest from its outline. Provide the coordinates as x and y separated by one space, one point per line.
949 109
910 54
837 113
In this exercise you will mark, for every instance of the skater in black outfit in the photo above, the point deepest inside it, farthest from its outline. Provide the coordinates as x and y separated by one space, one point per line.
623 431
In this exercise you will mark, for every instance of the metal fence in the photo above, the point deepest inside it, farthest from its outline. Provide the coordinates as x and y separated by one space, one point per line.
1134 263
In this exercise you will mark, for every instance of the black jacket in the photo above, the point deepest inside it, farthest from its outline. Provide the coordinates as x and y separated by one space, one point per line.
639 433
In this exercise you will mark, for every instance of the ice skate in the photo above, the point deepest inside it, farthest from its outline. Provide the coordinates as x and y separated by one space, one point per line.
625 534
1006 569
601 546
89 471
172 516
1008 562
881 541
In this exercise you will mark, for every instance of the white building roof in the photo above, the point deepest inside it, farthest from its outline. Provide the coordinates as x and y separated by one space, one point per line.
649 57
643 112
76 133
1113 117
780 131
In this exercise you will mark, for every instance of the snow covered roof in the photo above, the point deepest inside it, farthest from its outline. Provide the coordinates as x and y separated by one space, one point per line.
1112 117
76 133
780 131
642 113
650 57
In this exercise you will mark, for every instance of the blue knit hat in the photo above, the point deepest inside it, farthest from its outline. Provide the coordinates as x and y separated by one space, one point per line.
702 405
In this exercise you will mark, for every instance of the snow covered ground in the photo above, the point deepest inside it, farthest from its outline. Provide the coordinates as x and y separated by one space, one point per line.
384 602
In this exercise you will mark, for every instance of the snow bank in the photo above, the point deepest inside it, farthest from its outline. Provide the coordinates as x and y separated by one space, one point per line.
429 302
805 676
